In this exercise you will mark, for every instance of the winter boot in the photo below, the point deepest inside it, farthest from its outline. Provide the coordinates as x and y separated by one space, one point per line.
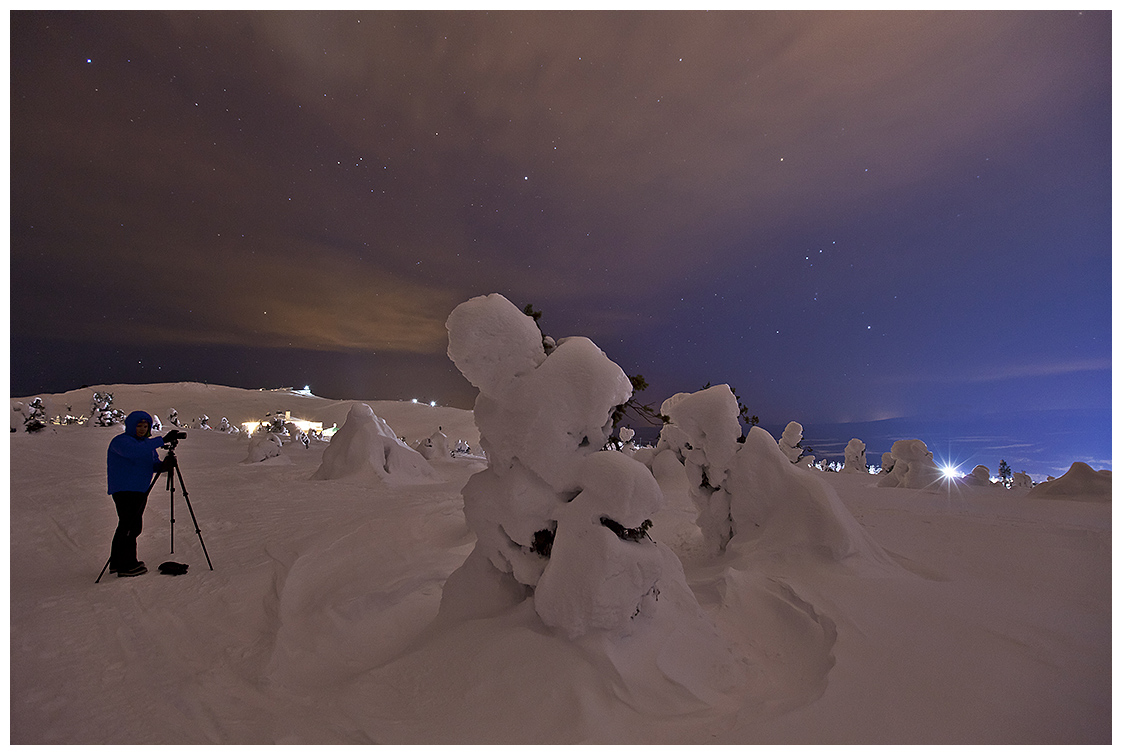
135 571
113 569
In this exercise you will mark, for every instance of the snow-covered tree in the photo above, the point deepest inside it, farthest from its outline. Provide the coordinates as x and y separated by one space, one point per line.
1005 473
978 477
263 446
855 458
748 494
791 444
102 411
913 466
549 509
367 445
36 416
433 447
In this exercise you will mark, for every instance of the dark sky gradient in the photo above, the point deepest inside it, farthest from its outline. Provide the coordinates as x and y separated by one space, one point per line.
849 217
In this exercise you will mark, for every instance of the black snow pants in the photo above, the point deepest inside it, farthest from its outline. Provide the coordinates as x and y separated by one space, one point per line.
130 514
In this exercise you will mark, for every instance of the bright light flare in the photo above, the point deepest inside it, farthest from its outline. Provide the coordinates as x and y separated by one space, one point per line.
950 472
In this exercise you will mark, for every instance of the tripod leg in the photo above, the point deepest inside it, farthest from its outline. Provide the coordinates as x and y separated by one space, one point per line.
99 576
187 498
171 506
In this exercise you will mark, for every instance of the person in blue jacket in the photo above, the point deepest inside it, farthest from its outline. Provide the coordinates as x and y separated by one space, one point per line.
132 463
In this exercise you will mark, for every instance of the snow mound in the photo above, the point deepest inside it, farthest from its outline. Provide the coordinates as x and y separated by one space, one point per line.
364 444
1080 482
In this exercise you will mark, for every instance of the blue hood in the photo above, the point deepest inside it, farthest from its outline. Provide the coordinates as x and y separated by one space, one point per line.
133 420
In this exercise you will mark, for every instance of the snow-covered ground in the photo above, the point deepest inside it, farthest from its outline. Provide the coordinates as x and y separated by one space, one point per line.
319 621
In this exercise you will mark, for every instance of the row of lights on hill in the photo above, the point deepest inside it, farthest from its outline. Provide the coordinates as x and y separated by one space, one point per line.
308 389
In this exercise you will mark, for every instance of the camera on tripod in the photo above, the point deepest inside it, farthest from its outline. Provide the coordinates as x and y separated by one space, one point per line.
172 439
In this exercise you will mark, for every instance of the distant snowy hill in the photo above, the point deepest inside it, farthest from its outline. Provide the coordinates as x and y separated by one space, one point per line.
192 400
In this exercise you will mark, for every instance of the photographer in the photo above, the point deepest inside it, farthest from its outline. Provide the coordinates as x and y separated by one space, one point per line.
132 463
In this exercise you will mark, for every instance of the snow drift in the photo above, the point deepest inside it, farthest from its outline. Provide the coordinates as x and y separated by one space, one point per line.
1080 482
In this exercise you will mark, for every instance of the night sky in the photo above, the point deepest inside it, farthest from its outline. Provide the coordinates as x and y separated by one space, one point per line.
891 222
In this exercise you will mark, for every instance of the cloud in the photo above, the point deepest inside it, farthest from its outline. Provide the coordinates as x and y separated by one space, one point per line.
1001 372
1040 370
291 294
678 124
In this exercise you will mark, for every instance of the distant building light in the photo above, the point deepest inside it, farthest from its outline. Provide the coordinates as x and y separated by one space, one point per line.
304 425
432 403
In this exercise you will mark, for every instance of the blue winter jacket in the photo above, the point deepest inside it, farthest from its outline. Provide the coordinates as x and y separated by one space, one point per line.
132 461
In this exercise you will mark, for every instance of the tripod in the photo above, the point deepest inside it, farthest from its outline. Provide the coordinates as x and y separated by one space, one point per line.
171 462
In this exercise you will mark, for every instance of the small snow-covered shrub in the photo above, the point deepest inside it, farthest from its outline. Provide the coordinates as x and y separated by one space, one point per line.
263 446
